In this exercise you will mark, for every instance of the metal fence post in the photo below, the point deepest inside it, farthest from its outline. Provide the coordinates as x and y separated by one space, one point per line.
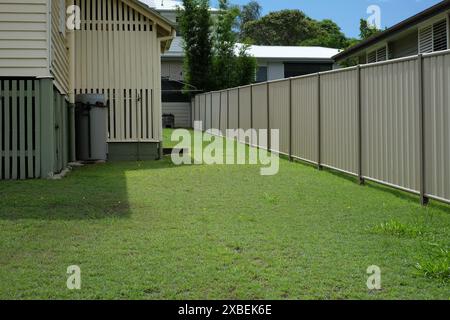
360 171
228 109
290 119
423 198
220 111
319 130
239 108
268 118
204 124
251 114
211 113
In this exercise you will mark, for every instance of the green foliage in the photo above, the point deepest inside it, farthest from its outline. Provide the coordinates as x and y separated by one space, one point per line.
246 66
210 61
248 12
281 28
366 31
326 34
195 24
437 263
225 39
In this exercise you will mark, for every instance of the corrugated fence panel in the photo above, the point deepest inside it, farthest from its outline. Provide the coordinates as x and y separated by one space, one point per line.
216 110
279 114
259 115
339 120
305 118
208 108
390 123
245 111
19 145
437 125
223 112
203 110
233 121
197 109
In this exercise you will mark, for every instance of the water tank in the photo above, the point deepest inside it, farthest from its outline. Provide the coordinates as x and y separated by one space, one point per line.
91 127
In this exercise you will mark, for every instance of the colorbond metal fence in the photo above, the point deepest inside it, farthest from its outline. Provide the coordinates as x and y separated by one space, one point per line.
387 122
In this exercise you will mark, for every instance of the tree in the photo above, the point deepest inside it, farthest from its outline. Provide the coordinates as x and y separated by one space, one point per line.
282 28
230 69
195 24
246 66
366 30
224 44
326 33
248 12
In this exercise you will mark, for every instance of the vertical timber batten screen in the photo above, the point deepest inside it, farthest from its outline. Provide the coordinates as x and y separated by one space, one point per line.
19 129
116 52
387 122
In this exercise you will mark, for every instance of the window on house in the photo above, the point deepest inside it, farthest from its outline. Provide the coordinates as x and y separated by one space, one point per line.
433 37
377 55
261 74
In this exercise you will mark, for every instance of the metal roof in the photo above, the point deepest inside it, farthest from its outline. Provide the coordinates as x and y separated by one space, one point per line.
267 52
165 5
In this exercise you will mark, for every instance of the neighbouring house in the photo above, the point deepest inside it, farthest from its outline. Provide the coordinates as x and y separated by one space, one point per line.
115 52
274 62
427 31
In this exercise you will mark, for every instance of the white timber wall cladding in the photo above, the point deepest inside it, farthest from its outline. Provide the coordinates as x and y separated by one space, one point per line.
59 48
24 38
117 54
181 112
387 122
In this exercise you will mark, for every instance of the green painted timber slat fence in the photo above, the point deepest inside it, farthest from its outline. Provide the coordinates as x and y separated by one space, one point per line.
35 129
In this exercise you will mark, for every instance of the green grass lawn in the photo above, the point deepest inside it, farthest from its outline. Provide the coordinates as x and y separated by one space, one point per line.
152 230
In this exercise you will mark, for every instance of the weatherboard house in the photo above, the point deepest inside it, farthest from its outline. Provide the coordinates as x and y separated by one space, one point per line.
425 32
115 53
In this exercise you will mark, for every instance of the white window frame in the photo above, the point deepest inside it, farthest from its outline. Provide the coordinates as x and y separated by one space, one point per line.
431 22
375 49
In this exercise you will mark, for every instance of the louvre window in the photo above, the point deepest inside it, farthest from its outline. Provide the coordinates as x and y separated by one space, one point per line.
434 37
372 57
377 55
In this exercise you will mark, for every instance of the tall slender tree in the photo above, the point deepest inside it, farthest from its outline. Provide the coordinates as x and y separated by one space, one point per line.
224 44
195 24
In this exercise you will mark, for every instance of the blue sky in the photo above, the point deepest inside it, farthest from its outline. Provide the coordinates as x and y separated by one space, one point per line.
346 13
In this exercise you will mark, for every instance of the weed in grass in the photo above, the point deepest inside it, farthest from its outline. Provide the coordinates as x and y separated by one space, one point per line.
398 229
437 264
271 198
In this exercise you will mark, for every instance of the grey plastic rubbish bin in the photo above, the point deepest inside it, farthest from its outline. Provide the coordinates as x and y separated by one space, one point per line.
91 127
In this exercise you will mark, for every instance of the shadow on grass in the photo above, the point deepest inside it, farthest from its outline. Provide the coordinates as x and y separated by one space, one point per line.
90 192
